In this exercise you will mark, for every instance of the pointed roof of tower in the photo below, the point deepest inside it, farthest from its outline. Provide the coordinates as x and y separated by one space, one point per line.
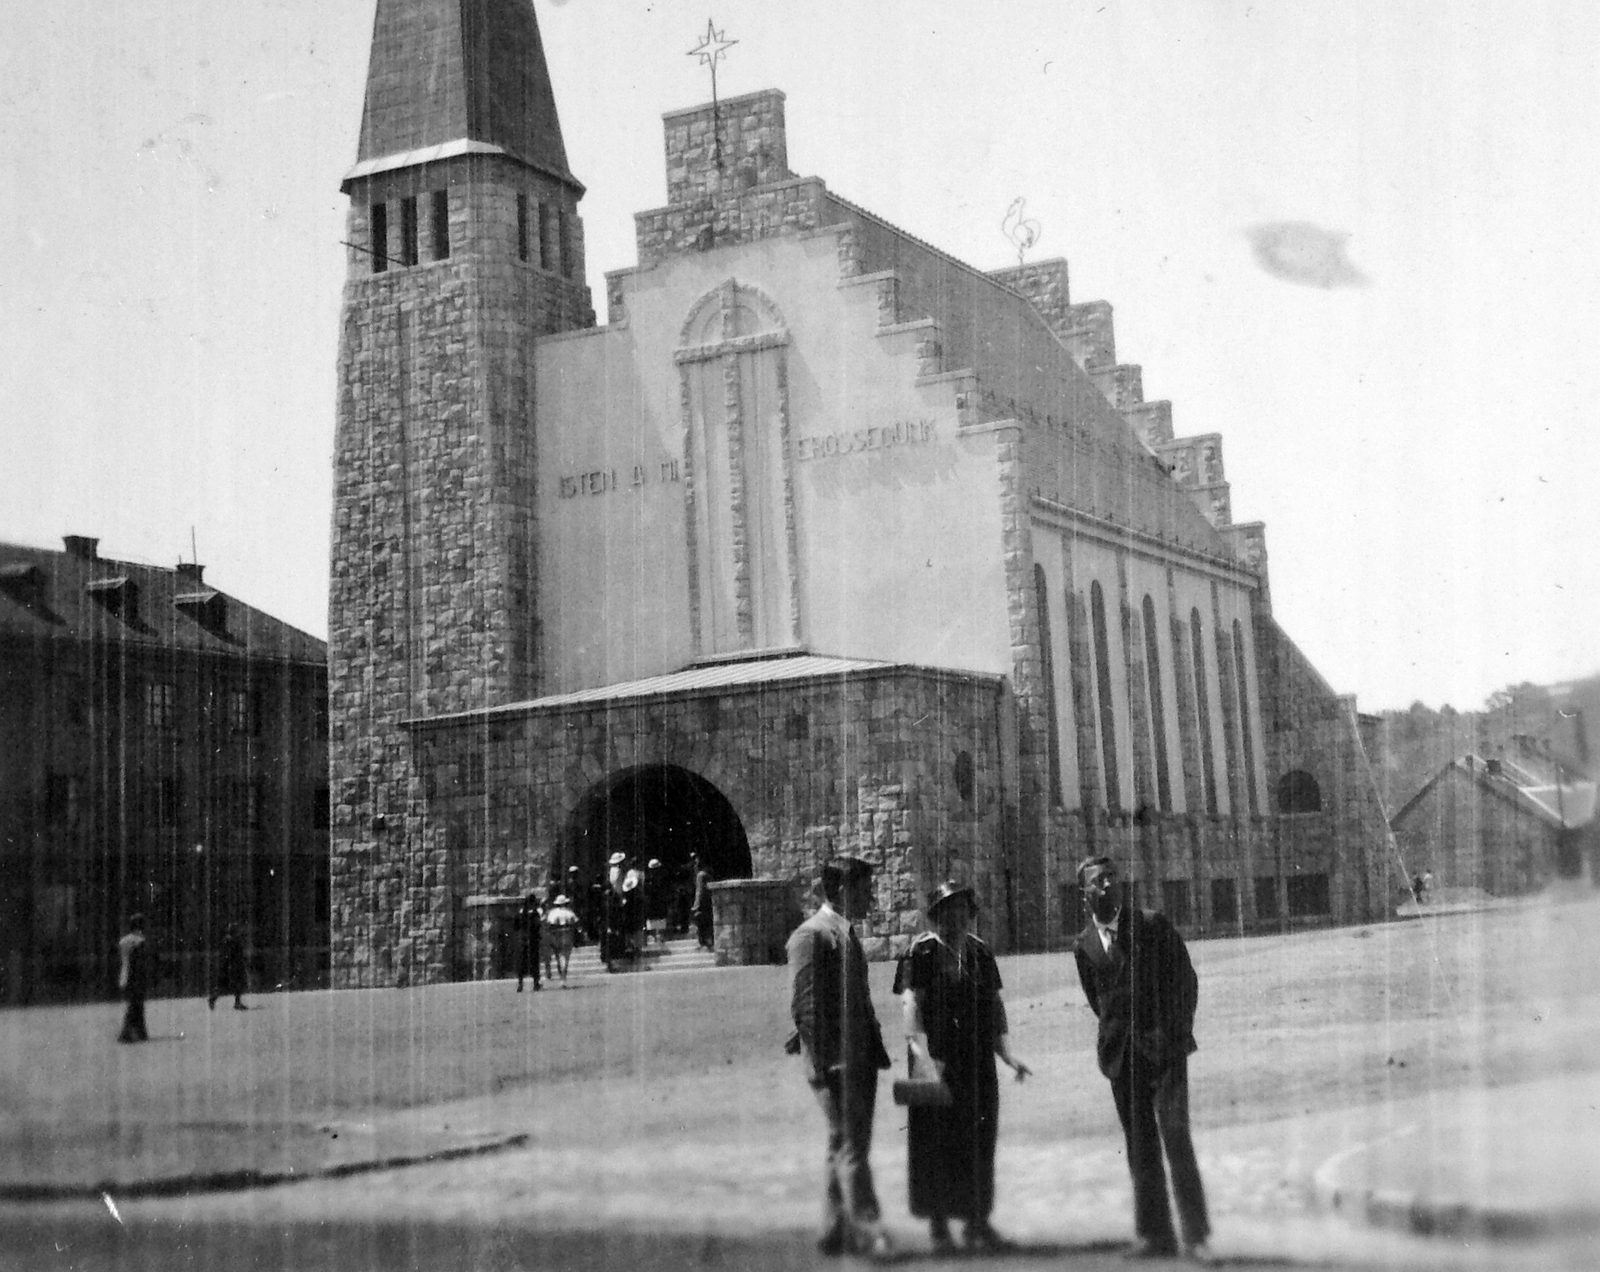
457 76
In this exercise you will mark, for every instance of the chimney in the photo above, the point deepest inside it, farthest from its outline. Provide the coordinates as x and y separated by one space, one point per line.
82 547
191 572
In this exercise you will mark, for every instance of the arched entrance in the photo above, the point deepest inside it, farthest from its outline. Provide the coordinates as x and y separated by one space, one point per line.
658 811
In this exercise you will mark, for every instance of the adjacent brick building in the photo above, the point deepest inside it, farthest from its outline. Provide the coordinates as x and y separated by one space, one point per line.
825 541
163 748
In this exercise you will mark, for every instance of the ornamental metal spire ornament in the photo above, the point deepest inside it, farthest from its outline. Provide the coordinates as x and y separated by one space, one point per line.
711 50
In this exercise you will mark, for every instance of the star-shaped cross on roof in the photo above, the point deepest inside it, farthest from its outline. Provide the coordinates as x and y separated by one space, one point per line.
712 48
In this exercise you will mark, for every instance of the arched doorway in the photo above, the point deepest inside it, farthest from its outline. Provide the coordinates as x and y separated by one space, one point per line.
658 811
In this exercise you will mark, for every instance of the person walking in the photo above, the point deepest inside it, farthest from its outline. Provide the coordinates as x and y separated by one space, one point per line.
134 975
1136 974
950 988
525 932
657 902
561 931
230 977
837 1032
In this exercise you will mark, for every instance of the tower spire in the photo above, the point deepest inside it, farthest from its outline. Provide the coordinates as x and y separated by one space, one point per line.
459 76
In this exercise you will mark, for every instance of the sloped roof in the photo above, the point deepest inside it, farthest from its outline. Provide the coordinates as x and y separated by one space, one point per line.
1569 804
52 595
722 675
458 71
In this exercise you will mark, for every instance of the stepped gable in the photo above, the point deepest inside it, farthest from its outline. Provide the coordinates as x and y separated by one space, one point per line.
483 80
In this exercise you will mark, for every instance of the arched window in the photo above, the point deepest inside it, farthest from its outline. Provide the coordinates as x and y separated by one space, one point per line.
1242 674
1158 714
1202 707
1048 675
1298 792
1108 714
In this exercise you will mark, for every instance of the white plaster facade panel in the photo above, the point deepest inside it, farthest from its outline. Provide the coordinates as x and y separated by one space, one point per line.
1193 594
1148 578
1048 555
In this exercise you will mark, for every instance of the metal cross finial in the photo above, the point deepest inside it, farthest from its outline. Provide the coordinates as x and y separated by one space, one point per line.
710 51
1021 230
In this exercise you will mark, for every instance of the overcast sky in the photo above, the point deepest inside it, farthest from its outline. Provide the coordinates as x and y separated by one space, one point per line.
1420 437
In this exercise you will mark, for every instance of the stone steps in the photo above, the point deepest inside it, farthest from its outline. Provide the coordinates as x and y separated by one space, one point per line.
683 955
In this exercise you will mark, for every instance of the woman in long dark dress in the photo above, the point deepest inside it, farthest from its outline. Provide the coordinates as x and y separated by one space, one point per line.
953 1014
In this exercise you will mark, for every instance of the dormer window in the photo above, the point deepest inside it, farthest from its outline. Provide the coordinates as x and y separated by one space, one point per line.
208 608
119 596
23 582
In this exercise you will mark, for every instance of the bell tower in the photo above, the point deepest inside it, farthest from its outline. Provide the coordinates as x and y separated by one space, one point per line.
464 246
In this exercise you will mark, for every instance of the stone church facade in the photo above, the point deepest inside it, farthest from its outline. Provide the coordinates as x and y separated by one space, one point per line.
825 541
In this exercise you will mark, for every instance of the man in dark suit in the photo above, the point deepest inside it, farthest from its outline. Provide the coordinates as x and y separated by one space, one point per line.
1139 982
837 1031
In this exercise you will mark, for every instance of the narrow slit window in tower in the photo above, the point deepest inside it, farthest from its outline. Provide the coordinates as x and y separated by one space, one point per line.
441 225
546 243
522 226
564 242
408 231
379 245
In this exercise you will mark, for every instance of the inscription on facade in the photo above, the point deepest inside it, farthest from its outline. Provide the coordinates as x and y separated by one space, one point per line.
602 481
859 441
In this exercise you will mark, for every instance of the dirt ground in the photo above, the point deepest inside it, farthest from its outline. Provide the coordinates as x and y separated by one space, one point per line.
665 1102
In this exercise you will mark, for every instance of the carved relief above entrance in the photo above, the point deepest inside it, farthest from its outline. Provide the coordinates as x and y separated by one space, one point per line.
739 485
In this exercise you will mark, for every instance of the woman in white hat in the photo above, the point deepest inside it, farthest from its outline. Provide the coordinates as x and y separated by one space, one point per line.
561 930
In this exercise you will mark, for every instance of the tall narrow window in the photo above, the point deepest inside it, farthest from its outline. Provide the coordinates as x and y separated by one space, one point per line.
1202 708
1048 673
1108 714
379 245
1244 718
522 227
564 241
1158 714
441 225
547 247
408 231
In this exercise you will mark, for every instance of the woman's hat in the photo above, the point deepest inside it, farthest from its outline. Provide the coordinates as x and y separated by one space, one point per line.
655 864
563 899
617 858
948 889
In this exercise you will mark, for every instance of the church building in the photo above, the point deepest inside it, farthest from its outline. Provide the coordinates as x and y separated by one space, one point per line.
824 541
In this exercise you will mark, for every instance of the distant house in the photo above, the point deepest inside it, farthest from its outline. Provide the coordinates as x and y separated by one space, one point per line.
163 748
1498 824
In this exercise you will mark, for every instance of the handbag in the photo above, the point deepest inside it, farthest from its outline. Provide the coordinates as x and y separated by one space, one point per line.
923 1086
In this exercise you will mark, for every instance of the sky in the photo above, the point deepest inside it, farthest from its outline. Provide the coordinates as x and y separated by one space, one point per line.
1419 435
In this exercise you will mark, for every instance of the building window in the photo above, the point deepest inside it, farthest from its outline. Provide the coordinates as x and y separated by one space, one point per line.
547 247
1224 901
1308 896
1108 713
379 243
1158 712
408 231
564 241
258 711
1266 897
168 795
61 792
319 808
522 226
1202 708
964 776
1298 792
161 705
1244 718
1047 670
441 225
238 711
1175 900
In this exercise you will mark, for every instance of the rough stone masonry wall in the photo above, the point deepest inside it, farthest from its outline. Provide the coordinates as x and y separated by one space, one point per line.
1310 728
867 764
431 584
